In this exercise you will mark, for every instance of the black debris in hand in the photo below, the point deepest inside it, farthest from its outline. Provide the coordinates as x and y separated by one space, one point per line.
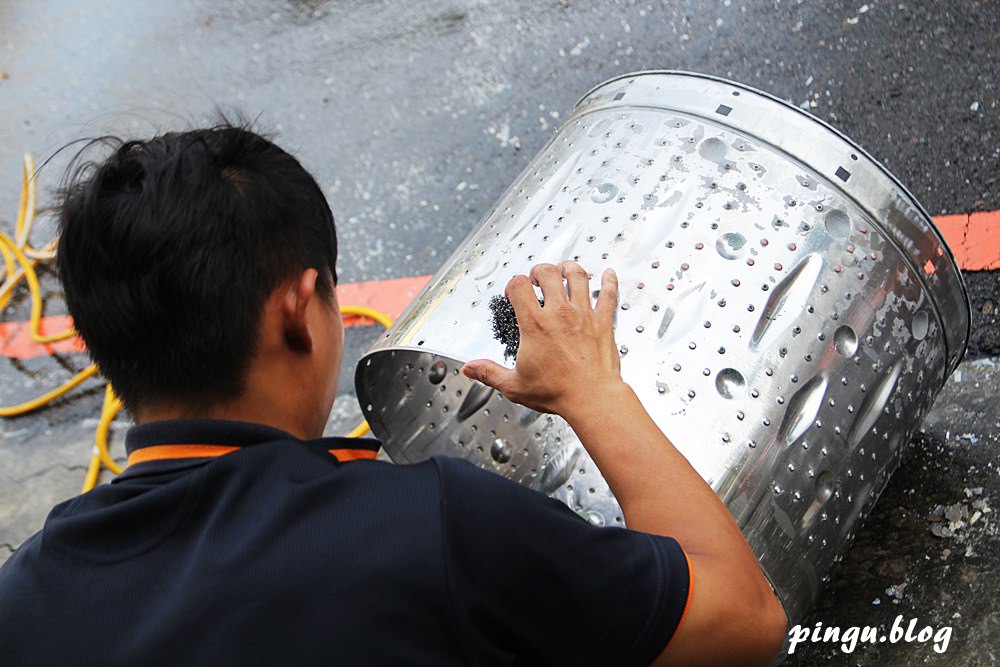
505 324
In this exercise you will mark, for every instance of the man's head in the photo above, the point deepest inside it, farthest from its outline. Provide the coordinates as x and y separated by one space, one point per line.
171 250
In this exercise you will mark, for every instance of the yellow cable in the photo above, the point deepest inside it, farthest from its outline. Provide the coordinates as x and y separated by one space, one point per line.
100 453
36 296
12 275
385 321
48 397
26 205
370 313
108 412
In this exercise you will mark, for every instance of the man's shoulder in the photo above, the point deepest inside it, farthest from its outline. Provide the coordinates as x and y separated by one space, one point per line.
477 487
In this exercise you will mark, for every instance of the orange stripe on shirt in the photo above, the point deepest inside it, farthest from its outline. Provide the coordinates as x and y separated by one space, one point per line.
160 452
687 604
353 454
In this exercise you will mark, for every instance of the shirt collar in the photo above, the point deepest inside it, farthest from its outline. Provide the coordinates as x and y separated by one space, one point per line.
234 434
203 432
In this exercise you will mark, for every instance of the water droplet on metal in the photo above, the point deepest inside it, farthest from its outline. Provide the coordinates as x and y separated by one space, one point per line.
838 224
438 371
604 193
845 340
921 324
501 451
729 382
731 245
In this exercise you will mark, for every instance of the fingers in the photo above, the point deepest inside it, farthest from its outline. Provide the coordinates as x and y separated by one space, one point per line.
522 297
577 282
488 372
549 278
607 302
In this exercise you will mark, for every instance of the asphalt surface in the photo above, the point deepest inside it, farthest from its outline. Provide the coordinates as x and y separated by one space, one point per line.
414 117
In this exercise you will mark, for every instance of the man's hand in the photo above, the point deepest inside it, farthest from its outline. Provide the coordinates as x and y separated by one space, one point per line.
567 355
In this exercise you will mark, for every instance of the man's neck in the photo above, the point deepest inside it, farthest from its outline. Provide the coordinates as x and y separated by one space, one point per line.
238 410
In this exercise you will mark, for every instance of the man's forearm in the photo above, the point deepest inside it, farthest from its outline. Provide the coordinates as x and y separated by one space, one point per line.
658 490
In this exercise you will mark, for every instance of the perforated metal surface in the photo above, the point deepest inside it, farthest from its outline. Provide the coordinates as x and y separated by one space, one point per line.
787 314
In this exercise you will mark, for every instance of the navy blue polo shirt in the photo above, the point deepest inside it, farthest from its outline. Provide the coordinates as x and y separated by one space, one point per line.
279 553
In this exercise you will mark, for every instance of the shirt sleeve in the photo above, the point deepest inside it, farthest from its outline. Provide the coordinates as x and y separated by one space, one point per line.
531 583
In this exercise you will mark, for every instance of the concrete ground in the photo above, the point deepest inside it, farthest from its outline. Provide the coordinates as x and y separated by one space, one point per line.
416 116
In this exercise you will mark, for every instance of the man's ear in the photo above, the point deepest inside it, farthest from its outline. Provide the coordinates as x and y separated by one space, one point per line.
294 307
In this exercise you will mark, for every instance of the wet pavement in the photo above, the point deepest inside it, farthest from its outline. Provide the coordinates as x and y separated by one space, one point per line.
416 116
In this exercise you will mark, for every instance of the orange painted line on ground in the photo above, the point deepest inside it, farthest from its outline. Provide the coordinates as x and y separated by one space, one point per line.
389 296
973 238
16 343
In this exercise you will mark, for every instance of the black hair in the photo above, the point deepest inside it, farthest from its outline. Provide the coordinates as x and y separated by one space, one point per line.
169 249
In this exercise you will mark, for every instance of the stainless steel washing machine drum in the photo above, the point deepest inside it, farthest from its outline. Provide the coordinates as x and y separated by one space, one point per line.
787 314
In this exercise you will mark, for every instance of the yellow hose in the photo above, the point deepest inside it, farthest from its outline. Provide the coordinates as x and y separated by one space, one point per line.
36 295
385 321
26 205
100 454
48 397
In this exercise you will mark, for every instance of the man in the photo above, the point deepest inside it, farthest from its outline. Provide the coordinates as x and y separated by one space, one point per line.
199 268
